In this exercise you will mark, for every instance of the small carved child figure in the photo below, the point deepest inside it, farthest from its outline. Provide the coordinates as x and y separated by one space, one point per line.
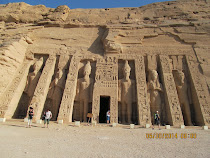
108 116
157 120
30 116
48 116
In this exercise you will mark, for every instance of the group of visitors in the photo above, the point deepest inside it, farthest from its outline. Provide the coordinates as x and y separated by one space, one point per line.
46 117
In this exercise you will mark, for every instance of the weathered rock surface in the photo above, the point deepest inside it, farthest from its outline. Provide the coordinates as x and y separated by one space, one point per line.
172 34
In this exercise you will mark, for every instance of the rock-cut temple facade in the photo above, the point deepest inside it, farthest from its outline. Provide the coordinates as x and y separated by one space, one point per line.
131 61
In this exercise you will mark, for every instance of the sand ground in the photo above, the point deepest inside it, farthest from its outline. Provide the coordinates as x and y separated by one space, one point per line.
66 141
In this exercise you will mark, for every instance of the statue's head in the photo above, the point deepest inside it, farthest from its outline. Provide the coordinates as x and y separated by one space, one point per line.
87 69
126 70
154 75
38 64
180 76
59 73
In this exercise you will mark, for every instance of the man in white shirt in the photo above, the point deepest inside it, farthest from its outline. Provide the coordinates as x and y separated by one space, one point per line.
48 116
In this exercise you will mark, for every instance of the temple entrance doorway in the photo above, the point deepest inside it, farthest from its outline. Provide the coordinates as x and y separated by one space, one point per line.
104 107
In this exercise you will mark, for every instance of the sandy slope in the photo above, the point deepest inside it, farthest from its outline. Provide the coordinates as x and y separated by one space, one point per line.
100 141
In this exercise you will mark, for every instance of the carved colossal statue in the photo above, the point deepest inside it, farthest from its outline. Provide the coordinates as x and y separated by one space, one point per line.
184 96
84 92
55 92
126 94
33 78
154 93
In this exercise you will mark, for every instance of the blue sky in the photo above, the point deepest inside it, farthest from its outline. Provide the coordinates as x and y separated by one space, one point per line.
87 3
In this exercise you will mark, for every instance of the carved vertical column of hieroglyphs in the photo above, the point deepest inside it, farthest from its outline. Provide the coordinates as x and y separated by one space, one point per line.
144 116
42 87
199 91
174 113
66 107
113 77
11 97
96 95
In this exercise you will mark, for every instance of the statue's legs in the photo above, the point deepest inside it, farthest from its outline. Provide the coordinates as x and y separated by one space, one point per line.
123 112
187 114
152 109
85 111
81 103
129 112
56 102
155 106
159 105
29 102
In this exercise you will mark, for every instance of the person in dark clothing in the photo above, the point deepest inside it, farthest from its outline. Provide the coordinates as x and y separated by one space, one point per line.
30 116
157 120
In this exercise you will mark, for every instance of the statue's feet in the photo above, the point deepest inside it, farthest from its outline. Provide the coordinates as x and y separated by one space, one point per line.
130 122
190 124
123 121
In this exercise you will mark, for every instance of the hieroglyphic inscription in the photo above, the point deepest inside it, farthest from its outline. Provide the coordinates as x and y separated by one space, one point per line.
172 101
66 107
11 97
200 88
142 101
106 84
42 87
95 105
114 109
106 73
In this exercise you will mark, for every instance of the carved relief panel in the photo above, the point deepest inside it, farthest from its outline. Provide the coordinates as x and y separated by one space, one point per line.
40 94
200 92
174 113
67 102
181 79
142 95
10 99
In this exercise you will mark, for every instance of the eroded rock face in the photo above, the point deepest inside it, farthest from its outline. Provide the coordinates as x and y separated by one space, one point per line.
160 38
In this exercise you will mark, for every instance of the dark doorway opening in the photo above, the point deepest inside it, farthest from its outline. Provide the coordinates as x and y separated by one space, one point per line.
104 107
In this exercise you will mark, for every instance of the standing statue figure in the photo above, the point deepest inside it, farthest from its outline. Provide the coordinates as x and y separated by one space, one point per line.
154 93
184 96
84 91
33 78
126 93
55 92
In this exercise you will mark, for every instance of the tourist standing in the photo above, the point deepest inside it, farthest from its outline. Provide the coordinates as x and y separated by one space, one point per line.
157 119
48 116
30 116
108 116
